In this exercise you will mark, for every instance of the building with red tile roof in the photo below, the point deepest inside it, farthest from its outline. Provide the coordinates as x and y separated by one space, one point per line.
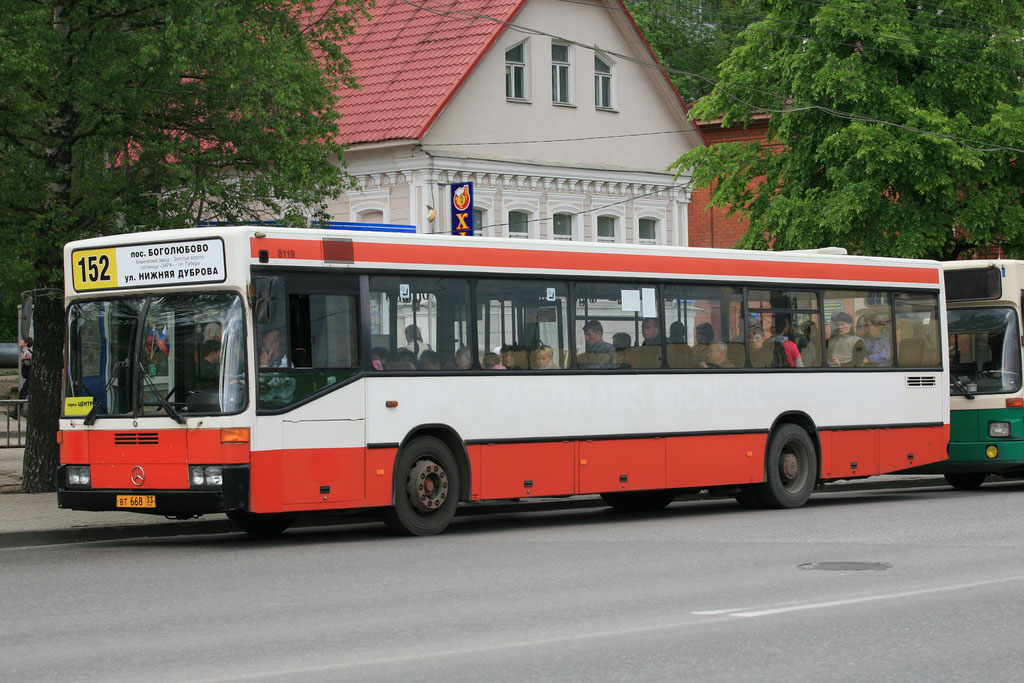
556 111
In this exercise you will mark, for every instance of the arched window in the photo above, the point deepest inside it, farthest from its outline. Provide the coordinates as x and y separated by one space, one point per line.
561 226
647 231
370 216
518 224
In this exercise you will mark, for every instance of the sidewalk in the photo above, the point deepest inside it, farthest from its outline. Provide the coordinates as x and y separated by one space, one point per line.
28 519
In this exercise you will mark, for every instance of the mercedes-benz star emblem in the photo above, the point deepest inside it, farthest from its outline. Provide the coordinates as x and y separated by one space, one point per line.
138 475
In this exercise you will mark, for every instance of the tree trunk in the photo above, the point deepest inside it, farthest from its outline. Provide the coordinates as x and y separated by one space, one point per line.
44 391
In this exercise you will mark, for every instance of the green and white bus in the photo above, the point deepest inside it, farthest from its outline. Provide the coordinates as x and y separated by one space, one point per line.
983 305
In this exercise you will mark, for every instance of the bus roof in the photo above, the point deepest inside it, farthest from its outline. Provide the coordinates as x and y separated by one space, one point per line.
247 246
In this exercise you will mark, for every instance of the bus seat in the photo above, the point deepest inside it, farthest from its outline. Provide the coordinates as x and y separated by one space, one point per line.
520 359
627 357
911 352
736 354
300 358
679 356
647 357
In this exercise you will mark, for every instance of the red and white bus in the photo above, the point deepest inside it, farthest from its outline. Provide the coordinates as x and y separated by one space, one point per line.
268 372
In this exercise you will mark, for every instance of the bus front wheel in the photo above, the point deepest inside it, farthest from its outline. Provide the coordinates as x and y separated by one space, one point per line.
791 469
426 489
965 481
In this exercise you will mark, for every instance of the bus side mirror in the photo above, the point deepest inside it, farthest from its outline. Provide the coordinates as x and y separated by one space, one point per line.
264 300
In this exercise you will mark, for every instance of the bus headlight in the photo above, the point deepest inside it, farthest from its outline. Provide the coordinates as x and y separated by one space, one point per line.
205 475
998 429
991 451
78 475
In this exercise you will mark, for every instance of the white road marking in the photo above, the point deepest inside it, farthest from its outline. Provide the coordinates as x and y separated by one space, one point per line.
719 616
855 601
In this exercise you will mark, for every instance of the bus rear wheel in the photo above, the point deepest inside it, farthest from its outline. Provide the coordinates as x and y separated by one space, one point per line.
426 489
638 501
965 481
791 469
263 526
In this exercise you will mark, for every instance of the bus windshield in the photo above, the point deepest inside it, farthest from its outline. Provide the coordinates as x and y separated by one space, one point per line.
984 350
157 355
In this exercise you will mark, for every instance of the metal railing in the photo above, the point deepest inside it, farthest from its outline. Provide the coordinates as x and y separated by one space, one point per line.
13 419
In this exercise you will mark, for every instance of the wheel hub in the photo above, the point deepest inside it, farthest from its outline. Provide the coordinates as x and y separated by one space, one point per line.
427 486
790 466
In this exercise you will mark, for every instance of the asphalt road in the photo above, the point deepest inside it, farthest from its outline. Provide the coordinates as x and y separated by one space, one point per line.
702 591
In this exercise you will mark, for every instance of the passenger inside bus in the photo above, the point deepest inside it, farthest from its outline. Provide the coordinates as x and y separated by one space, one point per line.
463 358
785 354
760 348
597 353
272 353
705 337
429 360
877 343
845 349
209 364
678 349
414 340
717 356
650 328
542 358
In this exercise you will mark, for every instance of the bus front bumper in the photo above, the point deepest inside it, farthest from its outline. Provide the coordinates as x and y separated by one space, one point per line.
232 495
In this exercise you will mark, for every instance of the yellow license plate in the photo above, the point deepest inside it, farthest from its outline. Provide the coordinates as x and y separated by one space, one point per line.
136 501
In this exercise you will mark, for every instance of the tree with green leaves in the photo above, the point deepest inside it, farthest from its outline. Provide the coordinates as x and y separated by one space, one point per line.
692 37
895 128
121 115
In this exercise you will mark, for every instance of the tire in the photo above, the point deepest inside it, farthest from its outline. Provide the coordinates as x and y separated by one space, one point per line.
426 489
791 469
965 481
261 526
638 501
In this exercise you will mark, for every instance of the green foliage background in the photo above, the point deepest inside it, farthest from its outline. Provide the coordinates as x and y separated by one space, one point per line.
126 115
693 36
828 75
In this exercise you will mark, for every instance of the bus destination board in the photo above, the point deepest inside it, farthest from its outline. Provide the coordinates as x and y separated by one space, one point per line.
148 265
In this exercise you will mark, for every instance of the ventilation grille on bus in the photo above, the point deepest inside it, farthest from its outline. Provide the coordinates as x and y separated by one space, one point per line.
921 381
136 439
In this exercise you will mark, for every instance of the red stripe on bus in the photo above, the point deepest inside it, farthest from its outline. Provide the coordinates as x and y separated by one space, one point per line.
511 258
289 480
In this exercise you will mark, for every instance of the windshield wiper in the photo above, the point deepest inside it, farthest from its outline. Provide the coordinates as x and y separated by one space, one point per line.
115 372
962 387
160 397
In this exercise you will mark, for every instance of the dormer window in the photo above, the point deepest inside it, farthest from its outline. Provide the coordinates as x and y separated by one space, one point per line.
515 72
602 83
560 74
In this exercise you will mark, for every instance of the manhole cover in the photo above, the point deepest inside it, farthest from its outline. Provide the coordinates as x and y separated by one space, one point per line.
845 566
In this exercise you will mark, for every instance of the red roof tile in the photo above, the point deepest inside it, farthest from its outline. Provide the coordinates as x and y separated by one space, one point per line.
410 61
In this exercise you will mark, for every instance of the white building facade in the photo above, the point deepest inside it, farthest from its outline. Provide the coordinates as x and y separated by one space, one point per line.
560 141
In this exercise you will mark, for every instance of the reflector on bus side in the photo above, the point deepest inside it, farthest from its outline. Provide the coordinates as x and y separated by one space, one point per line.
235 435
